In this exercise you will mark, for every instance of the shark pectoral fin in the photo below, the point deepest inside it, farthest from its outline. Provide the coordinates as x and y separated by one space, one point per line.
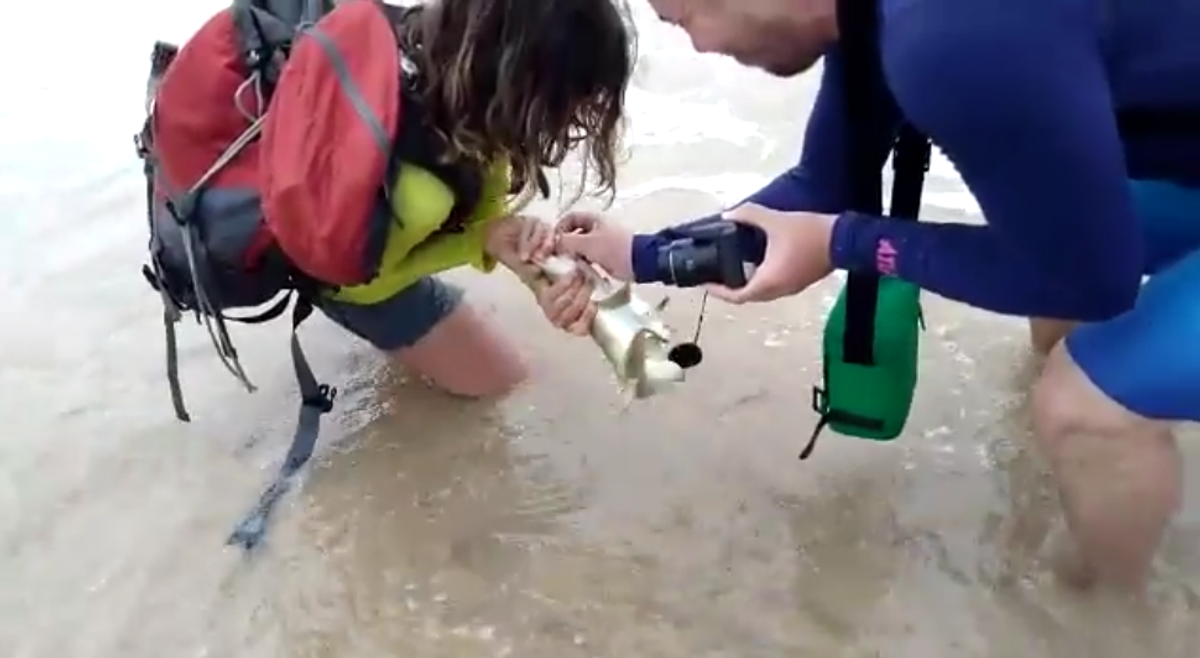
663 371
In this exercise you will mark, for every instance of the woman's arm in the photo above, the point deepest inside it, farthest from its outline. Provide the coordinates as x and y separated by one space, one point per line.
468 247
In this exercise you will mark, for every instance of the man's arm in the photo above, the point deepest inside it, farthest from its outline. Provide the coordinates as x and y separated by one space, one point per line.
817 183
1017 98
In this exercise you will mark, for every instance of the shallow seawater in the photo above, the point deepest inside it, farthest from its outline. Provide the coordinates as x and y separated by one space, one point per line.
562 522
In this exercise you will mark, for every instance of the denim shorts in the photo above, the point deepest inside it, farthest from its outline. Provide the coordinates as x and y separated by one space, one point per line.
400 320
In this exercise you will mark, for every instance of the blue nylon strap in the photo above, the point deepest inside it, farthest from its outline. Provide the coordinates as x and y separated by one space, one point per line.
315 401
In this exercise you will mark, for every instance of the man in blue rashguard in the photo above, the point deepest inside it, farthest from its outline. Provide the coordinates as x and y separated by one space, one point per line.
1023 97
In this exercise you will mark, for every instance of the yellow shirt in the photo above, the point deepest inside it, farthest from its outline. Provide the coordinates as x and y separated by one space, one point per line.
422 203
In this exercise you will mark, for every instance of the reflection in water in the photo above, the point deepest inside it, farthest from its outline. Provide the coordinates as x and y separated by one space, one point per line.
563 522
433 523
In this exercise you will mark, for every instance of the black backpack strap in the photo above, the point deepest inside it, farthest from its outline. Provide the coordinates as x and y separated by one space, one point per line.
172 312
264 41
316 400
417 143
161 57
267 28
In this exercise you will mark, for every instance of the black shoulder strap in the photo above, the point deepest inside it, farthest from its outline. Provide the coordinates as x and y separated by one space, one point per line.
416 141
266 29
1166 122
291 12
858 24
418 144
1144 121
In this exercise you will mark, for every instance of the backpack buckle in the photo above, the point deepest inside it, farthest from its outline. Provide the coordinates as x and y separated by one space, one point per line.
322 399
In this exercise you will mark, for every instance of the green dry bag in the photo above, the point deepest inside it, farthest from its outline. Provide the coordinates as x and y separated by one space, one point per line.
871 400
871 336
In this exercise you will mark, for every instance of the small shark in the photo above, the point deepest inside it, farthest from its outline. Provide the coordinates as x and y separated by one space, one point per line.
628 330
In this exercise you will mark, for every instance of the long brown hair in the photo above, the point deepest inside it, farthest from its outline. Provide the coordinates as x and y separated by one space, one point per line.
526 81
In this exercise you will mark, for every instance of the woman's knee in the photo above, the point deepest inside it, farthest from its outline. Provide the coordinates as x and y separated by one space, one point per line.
464 355
429 330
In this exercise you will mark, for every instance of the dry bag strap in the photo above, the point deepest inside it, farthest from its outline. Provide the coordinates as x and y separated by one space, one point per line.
835 416
827 415
1158 122
859 25
862 80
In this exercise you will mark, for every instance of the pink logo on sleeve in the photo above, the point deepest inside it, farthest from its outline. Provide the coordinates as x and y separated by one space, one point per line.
885 257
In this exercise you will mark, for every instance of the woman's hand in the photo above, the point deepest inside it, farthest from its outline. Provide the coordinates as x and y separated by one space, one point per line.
521 243
797 253
568 303
605 243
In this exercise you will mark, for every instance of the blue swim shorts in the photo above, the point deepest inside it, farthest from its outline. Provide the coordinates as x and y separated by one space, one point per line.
1148 359
400 320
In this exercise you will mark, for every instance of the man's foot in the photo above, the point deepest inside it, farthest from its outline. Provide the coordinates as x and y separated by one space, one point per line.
1070 569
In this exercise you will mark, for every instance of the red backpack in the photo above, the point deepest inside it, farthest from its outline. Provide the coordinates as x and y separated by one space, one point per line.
271 140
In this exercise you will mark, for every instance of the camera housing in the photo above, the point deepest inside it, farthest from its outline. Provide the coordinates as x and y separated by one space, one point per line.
710 253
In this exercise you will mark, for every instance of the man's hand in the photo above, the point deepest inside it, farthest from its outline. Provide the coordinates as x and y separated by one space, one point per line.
589 236
797 254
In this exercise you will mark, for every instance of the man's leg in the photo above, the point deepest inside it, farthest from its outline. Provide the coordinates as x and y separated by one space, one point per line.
429 330
1045 333
1103 410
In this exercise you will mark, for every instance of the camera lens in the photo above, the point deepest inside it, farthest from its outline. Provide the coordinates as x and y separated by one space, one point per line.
686 264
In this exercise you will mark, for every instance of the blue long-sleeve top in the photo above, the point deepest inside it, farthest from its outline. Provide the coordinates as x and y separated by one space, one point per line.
1021 96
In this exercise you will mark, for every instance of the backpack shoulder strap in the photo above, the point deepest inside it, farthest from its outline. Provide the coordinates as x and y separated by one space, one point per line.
417 143
266 29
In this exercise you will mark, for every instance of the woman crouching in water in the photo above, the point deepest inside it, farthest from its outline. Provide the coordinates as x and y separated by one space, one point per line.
510 87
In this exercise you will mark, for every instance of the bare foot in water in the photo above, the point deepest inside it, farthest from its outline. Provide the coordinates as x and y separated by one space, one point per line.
1073 572
1070 568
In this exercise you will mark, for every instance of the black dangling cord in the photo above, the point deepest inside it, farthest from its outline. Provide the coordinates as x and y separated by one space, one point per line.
812 440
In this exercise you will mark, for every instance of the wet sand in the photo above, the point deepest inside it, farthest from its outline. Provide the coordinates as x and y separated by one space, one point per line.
561 522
